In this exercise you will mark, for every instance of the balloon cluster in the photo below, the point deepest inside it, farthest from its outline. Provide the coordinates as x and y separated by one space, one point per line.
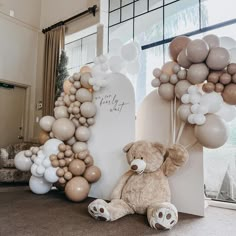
121 59
202 76
64 159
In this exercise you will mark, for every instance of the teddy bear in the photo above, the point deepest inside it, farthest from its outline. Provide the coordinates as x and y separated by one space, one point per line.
144 189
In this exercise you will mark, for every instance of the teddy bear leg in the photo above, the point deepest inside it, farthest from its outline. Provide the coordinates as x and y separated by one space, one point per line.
101 210
162 215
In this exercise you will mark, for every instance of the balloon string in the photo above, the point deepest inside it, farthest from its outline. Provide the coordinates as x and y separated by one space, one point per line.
191 144
181 129
174 131
171 122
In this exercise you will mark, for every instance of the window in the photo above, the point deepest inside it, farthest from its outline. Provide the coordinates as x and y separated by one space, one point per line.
81 51
154 23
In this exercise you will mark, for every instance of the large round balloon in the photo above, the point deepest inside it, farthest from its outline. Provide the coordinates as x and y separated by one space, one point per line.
77 189
88 109
82 133
213 101
129 51
63 129
61 112
84 95
197 73
177 45
84 80
51 147
92 174
212 134
77 167
79 147
39 185
229 94
22 162
212 40
227 42
183 60
46 123
227 112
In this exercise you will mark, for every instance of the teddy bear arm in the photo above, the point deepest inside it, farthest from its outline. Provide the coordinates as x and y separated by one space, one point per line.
116 193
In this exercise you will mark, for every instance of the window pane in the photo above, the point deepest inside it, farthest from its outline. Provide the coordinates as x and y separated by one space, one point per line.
114 17
125 2
89 48
181 17
148 28
140 7
155 3
117 31
114 4
168 1
127 12
213 13
166 53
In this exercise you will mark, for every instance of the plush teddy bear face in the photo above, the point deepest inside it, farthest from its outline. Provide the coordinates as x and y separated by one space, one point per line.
145 156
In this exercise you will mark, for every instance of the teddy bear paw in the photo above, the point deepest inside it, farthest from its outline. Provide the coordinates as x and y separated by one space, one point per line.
97 209
163 218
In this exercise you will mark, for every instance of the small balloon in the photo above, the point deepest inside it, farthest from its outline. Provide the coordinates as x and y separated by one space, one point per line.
166 91
181 88
184 111
22 162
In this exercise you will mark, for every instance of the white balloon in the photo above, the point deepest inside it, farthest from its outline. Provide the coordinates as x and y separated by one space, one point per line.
33 170
195 108
40 170
46 122
51 147
50 175
38 161
22 162
46 163
232 53
213 101
116 63
133 67
115 46
185 98
227 42
191 119
39 185
40 154
129 52
192 89
227 112
195 98
199 119
202 110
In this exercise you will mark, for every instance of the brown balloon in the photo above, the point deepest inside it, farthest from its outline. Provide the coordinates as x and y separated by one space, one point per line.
77 189
229 94
77 167
177 45
225 78
219 88
231 68
208 87
214 77
88 161
43 137
92 174
234 78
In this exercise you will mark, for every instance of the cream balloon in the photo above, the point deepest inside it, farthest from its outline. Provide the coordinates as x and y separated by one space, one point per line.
181 88
22 162
61 112
184 112
84 95
79 147
88 109
82 134
46 123
39 185
84 80
167 91
197 73
183 60
212 40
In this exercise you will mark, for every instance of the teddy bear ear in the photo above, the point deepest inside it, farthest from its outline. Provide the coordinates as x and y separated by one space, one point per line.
160 148
127 147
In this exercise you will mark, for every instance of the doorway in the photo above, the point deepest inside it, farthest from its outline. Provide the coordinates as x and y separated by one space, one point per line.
12 111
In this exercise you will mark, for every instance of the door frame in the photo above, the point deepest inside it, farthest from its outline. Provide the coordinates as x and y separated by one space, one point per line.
26 118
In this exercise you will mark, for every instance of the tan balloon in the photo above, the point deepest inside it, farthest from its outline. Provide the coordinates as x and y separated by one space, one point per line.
219 88
183 60
84 95
92 174
61 112
229 94
63 129
82 133
212 40
62 147
231 68
66 86
167 91
79 147
46 123
84 80
177 45
77 167
197 73
85 69
197 50
225 78
43 137
218 58
214 77
184 111
167 68
88 109
181 88
234 78
208 87
77 189
67 100
213 133
88 161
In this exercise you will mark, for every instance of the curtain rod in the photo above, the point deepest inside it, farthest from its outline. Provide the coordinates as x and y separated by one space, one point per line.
89 10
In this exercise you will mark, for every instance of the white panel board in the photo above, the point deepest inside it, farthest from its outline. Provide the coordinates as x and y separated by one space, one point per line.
187 185
114 128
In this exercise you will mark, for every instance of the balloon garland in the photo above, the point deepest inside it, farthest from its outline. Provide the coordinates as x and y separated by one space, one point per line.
202 75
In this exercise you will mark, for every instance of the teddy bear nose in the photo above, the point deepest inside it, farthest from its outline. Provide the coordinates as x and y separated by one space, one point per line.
134 167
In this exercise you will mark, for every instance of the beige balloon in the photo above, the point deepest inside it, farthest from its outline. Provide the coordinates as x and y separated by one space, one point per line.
79 147
82 133
218 58
77 189
61 112
84 80
212 40
77 167
85 69
88 109
167 68
66 86
63 129
67 100
231 68
212 134
181 88
84 95
183 60
167 91
197 73
229 94
184 111
92 174
46 123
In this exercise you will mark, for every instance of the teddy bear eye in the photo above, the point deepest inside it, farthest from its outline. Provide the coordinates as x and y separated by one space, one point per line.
141 158
134 157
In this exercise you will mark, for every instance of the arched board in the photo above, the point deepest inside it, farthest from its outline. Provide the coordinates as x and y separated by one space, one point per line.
114 128
153 123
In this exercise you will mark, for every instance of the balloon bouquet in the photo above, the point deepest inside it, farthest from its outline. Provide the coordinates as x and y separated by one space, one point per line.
202 76
64 160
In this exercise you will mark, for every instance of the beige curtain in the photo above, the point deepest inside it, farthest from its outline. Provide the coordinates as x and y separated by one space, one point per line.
54 43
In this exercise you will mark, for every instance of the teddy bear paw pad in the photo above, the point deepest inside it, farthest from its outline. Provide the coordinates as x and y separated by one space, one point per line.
163 219
98 210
